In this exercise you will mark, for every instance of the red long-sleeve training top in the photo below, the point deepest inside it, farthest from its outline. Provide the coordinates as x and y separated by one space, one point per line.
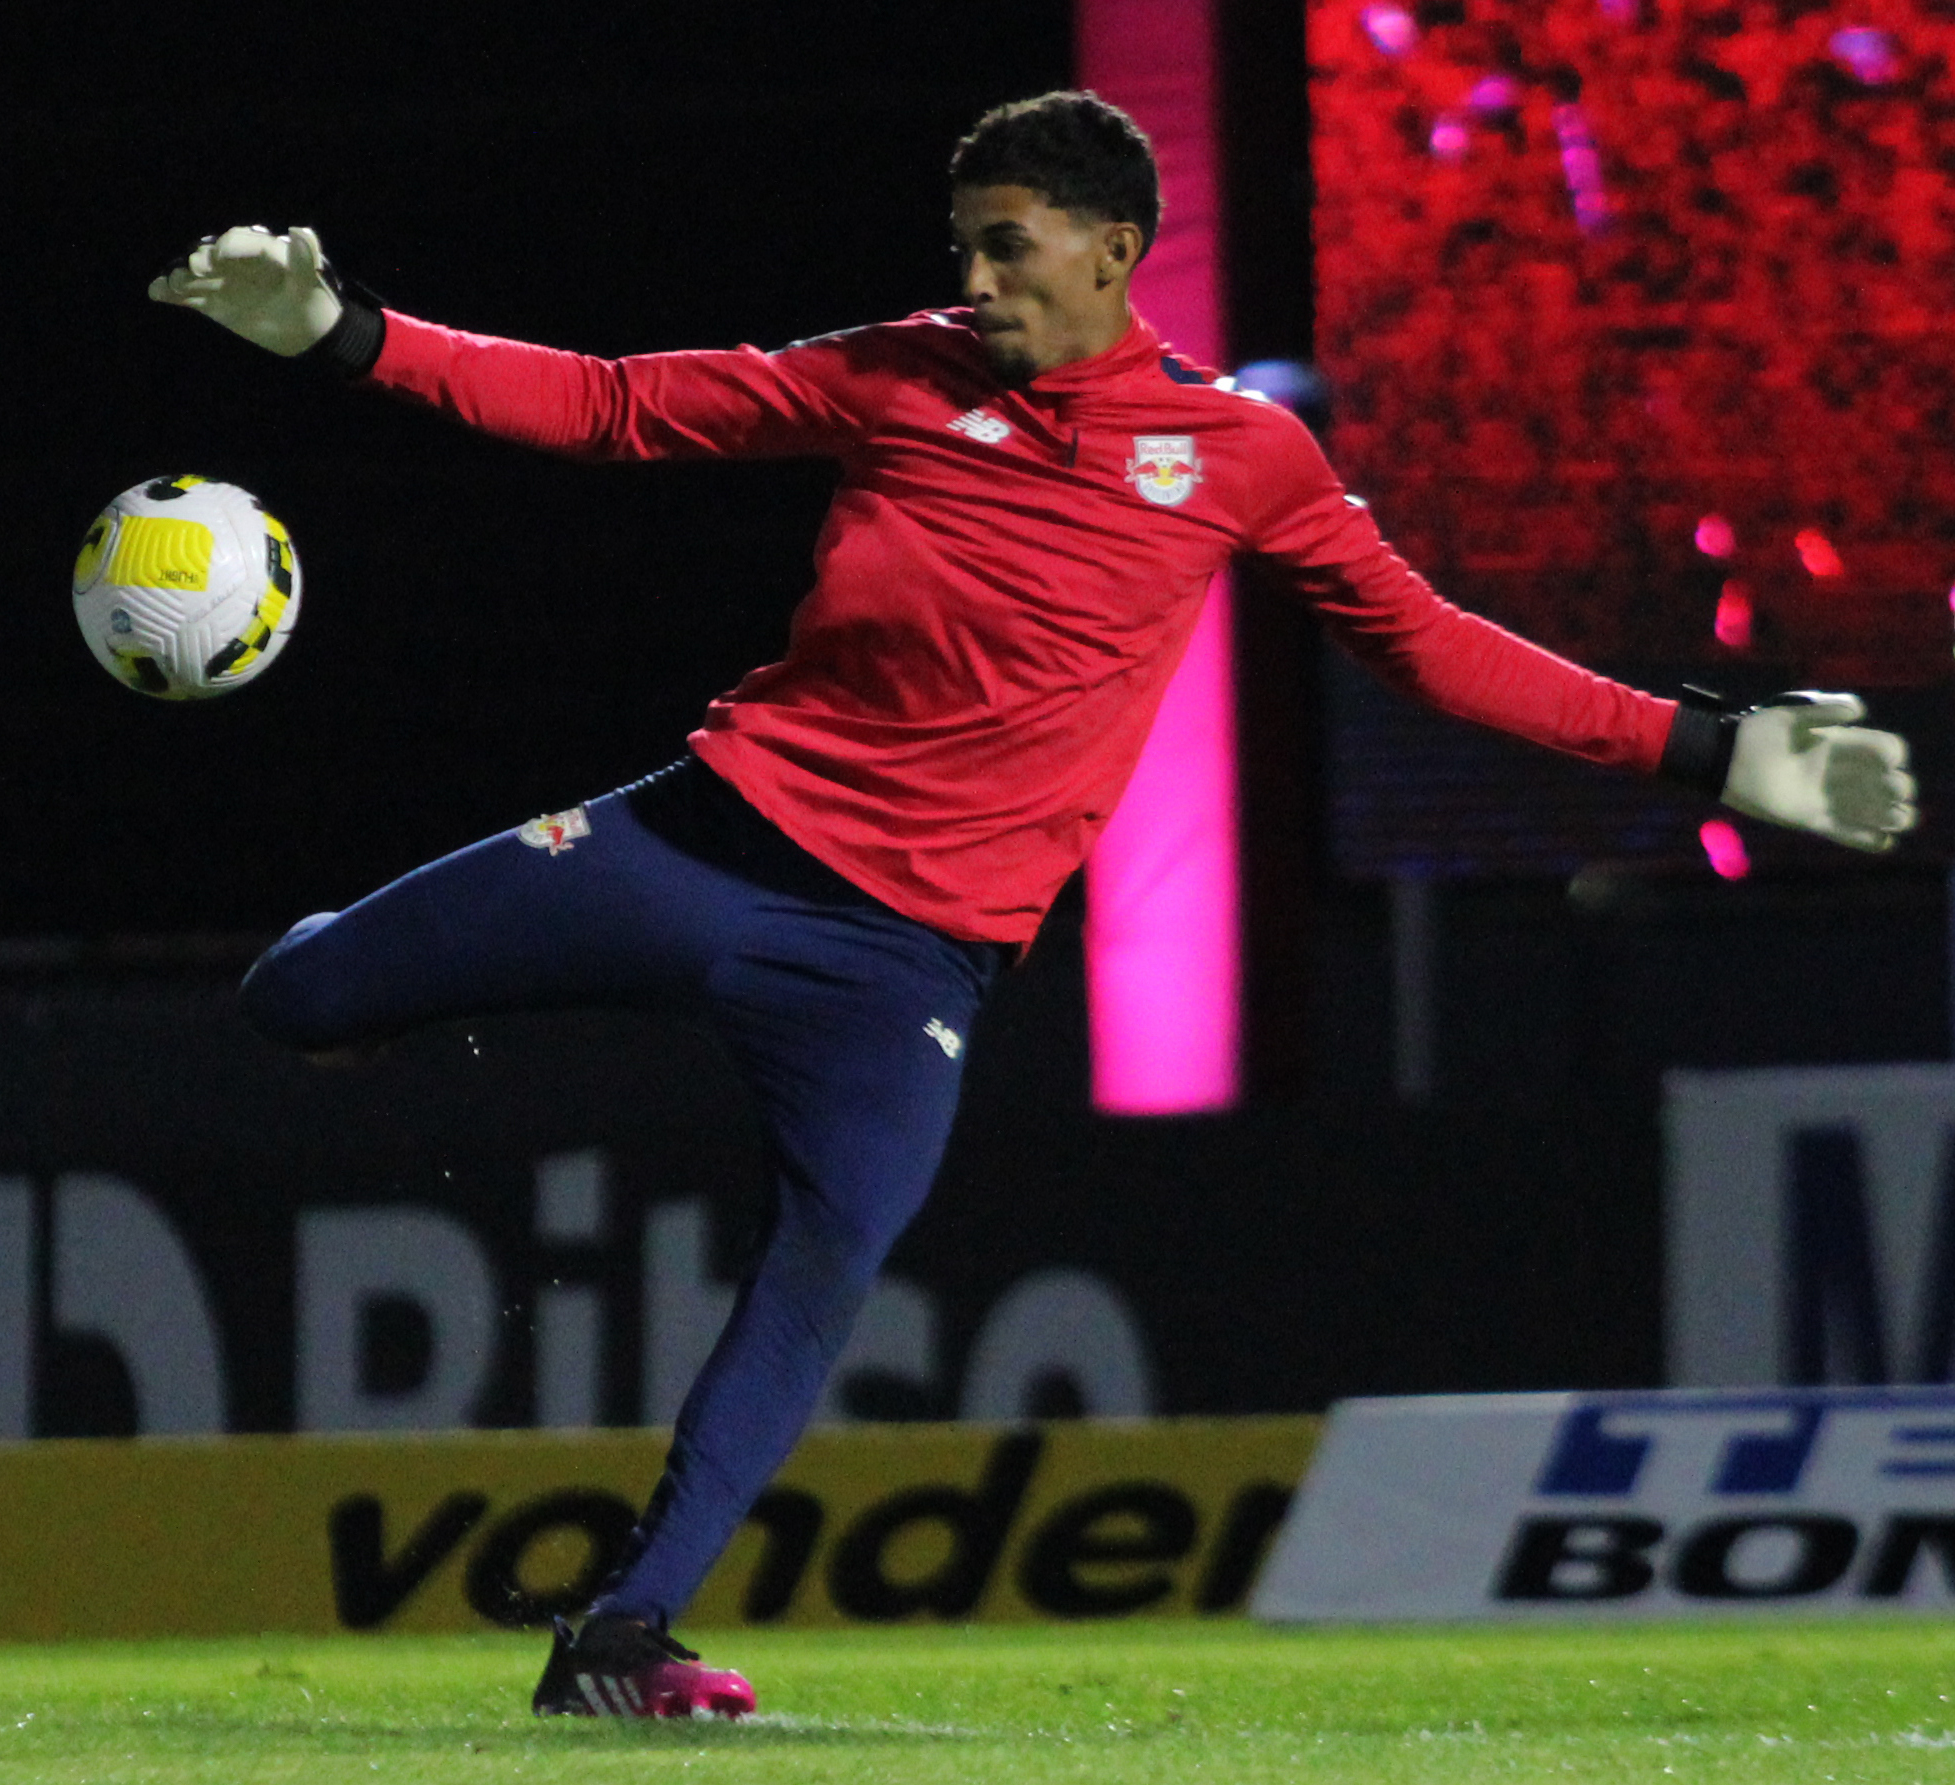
1004 584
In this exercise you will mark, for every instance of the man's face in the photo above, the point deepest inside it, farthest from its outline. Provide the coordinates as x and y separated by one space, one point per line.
1046 287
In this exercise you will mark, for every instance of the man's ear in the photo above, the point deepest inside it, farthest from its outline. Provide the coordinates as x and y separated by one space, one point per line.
1120 251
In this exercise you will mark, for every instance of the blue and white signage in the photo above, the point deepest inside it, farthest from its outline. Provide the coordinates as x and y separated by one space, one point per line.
1660 1504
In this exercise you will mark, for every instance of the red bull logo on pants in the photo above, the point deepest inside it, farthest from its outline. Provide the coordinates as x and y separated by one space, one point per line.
556 831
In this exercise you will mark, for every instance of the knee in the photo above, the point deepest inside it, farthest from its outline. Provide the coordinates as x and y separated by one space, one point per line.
826 1252
290 993
824 1275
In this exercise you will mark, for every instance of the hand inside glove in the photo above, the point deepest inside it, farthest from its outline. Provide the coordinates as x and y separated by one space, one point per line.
1805 761
276 291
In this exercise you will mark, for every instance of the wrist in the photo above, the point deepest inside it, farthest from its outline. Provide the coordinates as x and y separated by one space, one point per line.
351 347
1697 753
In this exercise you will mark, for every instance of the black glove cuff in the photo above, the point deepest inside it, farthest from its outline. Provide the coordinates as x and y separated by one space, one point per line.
1697 753
351 347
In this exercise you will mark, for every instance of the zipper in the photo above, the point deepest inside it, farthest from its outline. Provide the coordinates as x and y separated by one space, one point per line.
1058 440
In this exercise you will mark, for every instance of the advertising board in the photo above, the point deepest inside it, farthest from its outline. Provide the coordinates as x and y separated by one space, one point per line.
866 1524
1809 1225
1661 1504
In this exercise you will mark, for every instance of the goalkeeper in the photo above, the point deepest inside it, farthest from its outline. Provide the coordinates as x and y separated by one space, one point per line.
1035 494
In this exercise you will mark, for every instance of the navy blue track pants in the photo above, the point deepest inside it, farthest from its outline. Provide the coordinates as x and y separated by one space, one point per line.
846 1019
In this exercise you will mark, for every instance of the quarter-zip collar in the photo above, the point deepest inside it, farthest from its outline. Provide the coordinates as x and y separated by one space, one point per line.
1043 408
1139 347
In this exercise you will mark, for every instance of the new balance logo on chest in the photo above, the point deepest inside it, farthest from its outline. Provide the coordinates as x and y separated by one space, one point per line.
981 424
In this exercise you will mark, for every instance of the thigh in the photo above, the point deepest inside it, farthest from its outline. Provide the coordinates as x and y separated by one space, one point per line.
593 910
851 1026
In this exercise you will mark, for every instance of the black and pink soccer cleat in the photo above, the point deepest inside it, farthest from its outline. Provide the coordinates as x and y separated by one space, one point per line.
618 1666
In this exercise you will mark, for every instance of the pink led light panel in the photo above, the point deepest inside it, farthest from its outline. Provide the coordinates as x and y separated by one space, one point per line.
1162 909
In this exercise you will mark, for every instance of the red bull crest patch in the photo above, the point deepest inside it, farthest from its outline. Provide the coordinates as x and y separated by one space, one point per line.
556 831
1164 468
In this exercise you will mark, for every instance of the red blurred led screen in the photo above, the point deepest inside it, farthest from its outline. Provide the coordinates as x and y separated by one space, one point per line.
1637 315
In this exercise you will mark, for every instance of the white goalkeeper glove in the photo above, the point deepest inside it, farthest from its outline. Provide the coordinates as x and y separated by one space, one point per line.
275 291
1805 761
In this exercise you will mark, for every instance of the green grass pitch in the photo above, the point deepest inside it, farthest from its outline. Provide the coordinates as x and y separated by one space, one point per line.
1107 1703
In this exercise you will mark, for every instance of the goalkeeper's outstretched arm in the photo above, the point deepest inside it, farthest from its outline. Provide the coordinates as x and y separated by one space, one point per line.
281 293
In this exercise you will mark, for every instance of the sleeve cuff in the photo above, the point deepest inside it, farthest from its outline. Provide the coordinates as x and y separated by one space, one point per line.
351 347
1697 753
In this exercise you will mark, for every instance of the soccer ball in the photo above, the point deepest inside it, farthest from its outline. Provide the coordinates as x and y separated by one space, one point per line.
186 588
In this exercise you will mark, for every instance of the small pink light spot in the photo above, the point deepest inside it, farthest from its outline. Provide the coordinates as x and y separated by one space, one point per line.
1951 598
1449 138
1725 848
1494 94
1391 28
1716 537
1872 55
1581 165
1733 622
1816 553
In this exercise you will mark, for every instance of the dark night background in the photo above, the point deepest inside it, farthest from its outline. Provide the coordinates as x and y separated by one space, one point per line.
487 634
484 633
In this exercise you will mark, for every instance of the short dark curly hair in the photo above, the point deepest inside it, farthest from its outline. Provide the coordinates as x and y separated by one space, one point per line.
1075 150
